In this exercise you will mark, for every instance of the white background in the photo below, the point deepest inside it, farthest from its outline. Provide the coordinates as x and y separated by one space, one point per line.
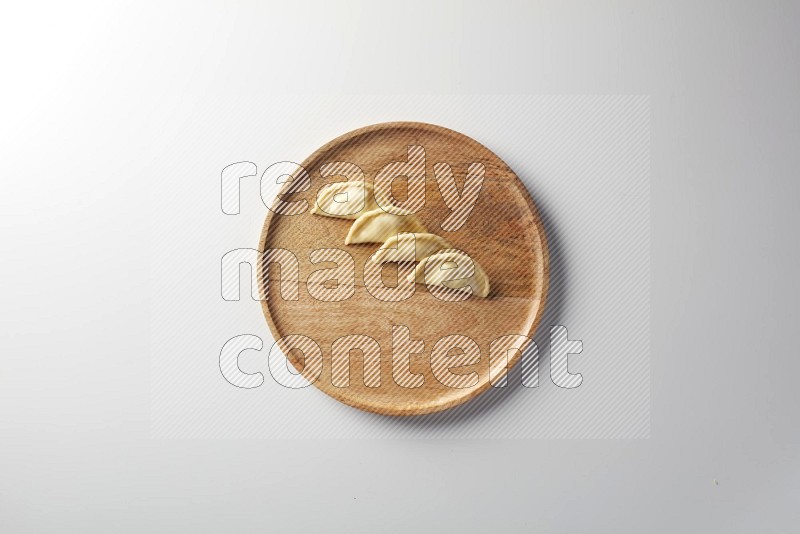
100 103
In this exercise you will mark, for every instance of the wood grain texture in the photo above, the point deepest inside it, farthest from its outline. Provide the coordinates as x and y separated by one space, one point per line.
504 234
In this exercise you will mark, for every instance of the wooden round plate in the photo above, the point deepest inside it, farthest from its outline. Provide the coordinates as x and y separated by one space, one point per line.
503 234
